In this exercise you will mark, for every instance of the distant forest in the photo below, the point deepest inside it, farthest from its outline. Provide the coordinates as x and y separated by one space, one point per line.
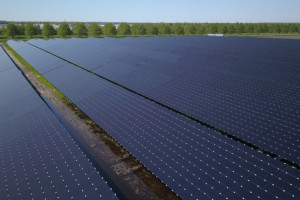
80 29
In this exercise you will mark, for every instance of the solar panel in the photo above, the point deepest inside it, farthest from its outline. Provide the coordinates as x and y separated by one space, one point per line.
194 161
34 146
244 86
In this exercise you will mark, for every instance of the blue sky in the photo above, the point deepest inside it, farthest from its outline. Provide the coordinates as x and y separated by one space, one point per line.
151 10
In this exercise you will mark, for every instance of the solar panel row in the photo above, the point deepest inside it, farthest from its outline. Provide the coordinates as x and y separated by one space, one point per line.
194 161
245 86
38 158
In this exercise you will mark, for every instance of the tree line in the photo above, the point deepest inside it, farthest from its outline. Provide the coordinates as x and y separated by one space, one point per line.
80 29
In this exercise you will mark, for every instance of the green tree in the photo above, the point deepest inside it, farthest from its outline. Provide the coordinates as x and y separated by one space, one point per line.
151 29
138 29
201 29
37 30
2 31
284 28
190 29
293 28
48 30
224 29
29 29
240 28
80 29
64 29
95 30
124 29
249 28
164 29
178 29
21 29
274 28
277 28
230 29
109 29
213 28
11 29
298 28
148 27
260 28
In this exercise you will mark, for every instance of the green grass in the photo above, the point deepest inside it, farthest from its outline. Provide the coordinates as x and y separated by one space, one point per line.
40 78
263 34
4 38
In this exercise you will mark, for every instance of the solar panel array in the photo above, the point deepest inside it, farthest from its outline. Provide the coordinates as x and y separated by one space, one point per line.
38 158
248 87
194 161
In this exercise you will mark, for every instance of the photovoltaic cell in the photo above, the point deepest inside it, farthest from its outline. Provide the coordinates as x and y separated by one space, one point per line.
194 161
247 87
38 158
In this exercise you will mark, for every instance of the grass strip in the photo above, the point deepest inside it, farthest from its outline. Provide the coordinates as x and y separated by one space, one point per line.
39 76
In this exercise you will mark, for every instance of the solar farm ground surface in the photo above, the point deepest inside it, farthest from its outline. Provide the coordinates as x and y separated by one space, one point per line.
246 87
39 159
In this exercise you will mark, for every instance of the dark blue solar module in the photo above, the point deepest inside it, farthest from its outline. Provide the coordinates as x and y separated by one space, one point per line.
38 158
194 161
248 87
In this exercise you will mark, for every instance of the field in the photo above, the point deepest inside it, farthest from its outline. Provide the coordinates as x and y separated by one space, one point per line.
203 117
